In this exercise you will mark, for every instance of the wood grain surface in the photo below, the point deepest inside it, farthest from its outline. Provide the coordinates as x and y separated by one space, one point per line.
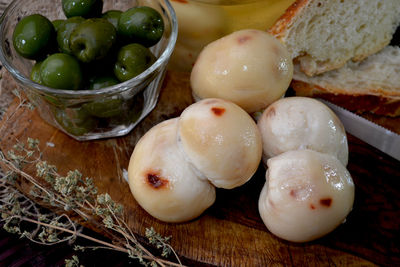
231 233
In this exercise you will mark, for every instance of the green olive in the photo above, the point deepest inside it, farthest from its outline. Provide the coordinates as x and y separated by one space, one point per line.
57 23
133 111
82 8
64 33
107 106
75 121
33 36
112 16
35 73
142 25
92 39
132 60
95 69
102 82
61 71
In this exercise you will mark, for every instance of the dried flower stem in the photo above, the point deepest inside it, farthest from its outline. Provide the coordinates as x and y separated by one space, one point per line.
13 168
106 244
22 103
78 195
69 231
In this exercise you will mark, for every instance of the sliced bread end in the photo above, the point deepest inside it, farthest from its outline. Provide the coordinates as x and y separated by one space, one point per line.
372 85
324 35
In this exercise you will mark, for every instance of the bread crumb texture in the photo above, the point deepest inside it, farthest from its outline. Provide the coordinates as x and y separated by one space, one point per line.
324 35
379 75
372 85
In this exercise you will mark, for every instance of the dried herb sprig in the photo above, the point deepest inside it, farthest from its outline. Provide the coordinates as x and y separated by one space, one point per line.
74 262
22 103
72 193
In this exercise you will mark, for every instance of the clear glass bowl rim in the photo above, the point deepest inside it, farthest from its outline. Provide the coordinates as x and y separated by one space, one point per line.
225 2
166 54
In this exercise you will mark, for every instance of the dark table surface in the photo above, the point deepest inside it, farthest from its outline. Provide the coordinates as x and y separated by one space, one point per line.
17 252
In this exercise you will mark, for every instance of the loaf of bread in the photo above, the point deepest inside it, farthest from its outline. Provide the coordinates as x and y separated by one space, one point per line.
323 35
370 85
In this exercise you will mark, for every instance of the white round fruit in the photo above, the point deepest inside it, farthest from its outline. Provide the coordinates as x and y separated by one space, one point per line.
221 140
294 123
161 180
249 67
307 194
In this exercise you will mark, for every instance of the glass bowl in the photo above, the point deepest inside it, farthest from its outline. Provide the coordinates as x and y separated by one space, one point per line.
83 114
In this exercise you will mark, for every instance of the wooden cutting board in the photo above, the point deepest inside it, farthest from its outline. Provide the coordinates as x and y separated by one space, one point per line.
230 233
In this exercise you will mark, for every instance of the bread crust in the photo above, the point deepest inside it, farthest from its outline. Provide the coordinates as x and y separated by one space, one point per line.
281 26
359 103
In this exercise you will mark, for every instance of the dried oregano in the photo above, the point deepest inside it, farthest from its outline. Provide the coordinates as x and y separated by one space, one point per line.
71 193
73 262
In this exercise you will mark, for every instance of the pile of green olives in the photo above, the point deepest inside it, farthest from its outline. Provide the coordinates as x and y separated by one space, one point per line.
89 50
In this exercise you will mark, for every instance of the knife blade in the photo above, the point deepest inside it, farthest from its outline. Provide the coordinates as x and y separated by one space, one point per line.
371 133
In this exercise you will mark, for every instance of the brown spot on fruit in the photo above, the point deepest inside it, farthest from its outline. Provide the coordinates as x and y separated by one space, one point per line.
244 39
312 207
218 111
293 193
326 202
155 181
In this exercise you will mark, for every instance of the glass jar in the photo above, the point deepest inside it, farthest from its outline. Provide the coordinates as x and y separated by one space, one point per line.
89 114
203 21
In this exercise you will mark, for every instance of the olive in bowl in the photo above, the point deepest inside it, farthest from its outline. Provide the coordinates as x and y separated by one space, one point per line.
87 113
64 31
61 71
112 16
33 36
132 60
82 8
142 25
92 39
